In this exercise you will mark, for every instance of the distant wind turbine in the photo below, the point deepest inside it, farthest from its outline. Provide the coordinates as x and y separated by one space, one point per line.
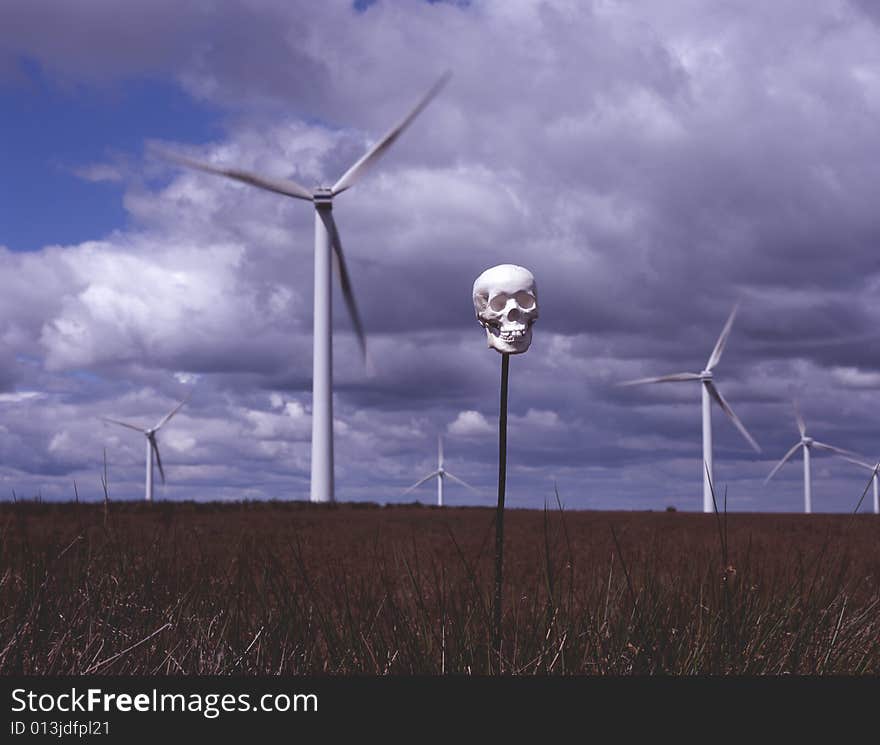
328 250
441 473
807 443
710 391
874 478
152 445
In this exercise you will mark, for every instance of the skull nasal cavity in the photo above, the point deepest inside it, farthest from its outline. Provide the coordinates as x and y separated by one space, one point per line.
513 315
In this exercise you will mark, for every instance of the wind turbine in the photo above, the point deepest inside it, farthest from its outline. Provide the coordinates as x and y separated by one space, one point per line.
441 473
874 470
152 446
328 249
710 391
807 443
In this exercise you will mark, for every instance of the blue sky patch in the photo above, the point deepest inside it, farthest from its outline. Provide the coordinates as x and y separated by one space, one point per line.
50 133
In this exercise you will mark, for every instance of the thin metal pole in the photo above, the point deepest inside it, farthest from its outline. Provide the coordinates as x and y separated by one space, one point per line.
499 516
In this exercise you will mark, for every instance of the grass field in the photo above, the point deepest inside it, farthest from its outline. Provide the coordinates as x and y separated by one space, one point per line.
292 588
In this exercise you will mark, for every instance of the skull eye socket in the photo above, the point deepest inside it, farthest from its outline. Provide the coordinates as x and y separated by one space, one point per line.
524 300
498 302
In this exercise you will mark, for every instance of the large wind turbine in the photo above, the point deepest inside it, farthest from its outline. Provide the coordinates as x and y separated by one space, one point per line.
441 473
874 478
710 391
328 250
152 446
807 443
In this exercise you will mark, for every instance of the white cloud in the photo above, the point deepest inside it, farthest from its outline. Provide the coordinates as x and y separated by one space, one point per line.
470 424
19 396
186 378
100 172
852 377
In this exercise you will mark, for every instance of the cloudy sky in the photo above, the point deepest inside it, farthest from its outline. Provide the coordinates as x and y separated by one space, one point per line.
651 163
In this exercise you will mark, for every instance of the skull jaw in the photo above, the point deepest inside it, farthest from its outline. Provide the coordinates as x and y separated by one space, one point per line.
515 345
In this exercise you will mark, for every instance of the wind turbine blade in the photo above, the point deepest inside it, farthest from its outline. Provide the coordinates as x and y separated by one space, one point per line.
862 498
783 461
344 280
674 378
801 424
164 420
420 482
715 357
832 449
462 482
440 451
124 424
858 462
376 152
280 186
155 446
725 407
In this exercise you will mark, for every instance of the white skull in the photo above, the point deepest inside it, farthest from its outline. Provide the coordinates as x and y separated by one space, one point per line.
506 302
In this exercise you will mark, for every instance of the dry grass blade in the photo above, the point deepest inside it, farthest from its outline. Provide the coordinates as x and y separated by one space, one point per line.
113 658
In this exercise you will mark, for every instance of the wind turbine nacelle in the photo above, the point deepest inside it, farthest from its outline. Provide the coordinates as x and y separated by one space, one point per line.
323 196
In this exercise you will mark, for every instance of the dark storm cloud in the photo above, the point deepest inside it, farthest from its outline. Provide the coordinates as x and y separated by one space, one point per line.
651 165
103 42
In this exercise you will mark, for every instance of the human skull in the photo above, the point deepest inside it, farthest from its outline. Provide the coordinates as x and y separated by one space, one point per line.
506 302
